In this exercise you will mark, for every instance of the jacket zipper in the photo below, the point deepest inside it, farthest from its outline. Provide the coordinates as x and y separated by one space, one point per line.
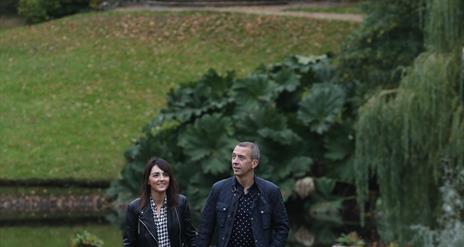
180 228
151 234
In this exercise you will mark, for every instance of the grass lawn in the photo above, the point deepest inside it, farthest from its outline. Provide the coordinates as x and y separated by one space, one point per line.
56 236
348 9
75 92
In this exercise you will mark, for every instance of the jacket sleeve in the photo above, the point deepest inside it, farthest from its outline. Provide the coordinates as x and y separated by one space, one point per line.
130 226
279 220
189 233
207 221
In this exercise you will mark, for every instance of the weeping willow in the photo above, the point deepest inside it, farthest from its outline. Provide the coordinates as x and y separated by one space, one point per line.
404 136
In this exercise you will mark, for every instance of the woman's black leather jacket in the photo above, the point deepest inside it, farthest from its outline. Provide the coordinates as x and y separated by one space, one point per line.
140 229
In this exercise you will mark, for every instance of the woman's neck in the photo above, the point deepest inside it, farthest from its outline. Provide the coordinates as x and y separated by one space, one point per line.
158 197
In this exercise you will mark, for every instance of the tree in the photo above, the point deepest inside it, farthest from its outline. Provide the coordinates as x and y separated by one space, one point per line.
403 135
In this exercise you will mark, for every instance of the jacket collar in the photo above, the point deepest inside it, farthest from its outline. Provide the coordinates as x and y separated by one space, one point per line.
146 215
256 182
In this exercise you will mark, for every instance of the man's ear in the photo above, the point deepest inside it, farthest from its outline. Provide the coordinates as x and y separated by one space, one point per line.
254 163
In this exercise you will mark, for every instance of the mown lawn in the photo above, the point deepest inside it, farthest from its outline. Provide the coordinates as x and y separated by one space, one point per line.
75 92
56 236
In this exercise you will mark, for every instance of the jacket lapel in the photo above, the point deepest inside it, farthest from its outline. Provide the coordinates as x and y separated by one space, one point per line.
146 215
173 226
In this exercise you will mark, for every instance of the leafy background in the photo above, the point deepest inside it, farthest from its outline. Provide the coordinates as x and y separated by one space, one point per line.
288 108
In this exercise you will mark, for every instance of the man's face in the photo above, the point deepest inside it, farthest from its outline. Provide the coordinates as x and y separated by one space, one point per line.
242 164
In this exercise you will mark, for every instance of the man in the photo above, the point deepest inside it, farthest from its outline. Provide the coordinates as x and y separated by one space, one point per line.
244 210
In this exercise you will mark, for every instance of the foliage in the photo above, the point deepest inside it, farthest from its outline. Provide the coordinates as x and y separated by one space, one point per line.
203 121
85 239
89 82
8 6
425 101
41 10
411 129
451 226
97 4
56 236
328 97
444 31
36 10
352 239
388 40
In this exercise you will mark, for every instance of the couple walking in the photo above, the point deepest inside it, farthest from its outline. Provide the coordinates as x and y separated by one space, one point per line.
242 210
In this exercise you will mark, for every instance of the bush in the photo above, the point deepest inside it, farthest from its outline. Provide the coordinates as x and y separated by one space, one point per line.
85 239
41 10
69 7
293 110
8 6
389 39
36 10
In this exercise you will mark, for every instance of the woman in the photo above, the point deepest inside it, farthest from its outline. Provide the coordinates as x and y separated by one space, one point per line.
160 216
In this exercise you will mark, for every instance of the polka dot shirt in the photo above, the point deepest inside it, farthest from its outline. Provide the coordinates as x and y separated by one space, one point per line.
242 233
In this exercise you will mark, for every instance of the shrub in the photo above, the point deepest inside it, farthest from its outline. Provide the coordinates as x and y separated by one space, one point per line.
41 10
36 10
8 6
293 110
389 39
94 4
69 7
85 239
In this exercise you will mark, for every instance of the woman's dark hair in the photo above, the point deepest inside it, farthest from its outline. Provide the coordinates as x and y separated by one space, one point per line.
145 189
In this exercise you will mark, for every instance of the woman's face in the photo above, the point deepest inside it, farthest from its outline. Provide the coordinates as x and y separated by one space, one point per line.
158 180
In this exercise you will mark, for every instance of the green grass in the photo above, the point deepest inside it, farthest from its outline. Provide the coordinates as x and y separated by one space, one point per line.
348 9
75 92
56 236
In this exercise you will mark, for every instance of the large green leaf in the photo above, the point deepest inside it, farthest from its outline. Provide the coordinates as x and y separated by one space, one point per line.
197 186
265 124
325 186
209 94
253 92
339 143
321 107
287 80
324 70
296 167
208 143
311 69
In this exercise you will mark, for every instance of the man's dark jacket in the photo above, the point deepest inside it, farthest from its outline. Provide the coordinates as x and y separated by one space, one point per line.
140 228
269 216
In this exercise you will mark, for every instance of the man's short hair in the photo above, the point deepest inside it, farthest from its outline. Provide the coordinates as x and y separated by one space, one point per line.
255 154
